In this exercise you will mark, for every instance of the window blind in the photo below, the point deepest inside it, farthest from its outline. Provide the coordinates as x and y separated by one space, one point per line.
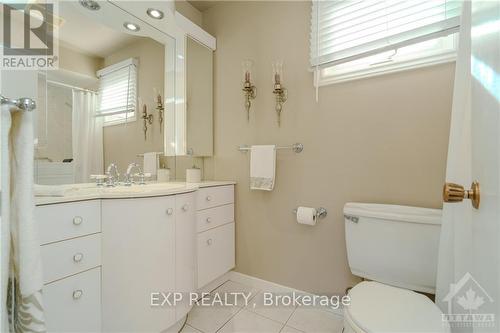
117 89
343 31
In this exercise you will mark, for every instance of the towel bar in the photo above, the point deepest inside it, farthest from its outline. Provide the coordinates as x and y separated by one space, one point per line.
296 147
25 104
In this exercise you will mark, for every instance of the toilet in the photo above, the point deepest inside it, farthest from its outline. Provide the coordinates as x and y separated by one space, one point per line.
395 249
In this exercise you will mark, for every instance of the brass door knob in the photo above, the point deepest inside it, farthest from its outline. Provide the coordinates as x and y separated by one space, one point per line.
456 193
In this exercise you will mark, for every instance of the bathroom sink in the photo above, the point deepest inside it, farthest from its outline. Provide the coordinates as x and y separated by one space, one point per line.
90 190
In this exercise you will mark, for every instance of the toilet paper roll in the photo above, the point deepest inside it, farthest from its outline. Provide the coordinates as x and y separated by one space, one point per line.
306 215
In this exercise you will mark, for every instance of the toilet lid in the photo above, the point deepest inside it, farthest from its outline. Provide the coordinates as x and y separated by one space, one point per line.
379 308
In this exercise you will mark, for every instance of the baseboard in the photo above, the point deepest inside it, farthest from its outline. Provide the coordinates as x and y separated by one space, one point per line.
265 285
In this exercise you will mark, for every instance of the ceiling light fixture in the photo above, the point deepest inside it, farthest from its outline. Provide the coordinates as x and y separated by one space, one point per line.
90 4
155 13
131 26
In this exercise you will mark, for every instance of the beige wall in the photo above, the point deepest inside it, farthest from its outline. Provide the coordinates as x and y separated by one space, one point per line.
187 10
380 140
123 142
78 62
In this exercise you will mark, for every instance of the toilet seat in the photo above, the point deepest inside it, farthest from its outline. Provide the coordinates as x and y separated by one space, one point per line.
379 308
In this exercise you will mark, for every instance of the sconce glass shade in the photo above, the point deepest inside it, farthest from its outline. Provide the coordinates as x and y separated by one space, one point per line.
247 66
277 71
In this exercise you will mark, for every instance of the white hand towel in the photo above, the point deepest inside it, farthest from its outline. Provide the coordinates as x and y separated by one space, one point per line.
151 163
262 167
25 258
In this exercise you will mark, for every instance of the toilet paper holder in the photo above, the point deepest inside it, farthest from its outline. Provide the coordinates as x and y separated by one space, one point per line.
320 212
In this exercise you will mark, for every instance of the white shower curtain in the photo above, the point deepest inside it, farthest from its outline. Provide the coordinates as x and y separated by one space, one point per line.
87 136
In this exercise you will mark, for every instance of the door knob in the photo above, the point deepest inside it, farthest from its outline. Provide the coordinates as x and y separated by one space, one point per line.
456 193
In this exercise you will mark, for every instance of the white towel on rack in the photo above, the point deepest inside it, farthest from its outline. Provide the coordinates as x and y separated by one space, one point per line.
262 167
25 262
151 163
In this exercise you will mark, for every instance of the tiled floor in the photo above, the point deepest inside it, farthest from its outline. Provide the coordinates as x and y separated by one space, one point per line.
256 318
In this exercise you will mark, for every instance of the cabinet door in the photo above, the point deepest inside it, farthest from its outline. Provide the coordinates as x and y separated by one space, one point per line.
215 253
185 249
137 260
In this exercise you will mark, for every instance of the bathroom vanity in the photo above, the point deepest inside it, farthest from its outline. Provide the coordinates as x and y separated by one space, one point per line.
105 250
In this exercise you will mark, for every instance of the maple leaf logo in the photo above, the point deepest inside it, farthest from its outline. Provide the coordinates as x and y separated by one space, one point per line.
470 301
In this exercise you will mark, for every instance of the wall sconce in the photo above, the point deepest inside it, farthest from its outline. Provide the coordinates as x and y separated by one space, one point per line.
147 118
249 90
160 108
280 92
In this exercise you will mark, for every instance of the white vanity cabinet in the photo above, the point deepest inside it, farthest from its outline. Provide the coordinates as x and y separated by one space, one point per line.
103 258
215 232
70 236
148 246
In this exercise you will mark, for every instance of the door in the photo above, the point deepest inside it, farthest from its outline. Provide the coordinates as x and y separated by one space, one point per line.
468 281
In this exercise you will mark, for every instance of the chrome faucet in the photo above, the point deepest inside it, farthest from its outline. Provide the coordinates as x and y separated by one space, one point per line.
112 180
129 178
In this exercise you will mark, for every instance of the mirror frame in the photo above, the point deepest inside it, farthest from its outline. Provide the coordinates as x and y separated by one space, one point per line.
178 27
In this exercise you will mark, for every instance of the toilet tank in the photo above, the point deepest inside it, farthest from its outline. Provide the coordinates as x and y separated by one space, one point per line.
395 245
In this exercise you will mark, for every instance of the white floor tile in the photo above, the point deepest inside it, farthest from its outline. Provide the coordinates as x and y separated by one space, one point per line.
313 320
288 329
189 329
246 321
230 287
279 313
209 319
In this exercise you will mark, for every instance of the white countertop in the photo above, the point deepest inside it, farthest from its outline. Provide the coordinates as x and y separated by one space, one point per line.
89 191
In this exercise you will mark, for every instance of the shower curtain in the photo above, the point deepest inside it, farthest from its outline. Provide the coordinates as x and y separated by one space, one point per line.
87 136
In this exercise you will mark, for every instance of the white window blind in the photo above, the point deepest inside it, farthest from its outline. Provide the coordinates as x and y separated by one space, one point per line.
118 92
344 31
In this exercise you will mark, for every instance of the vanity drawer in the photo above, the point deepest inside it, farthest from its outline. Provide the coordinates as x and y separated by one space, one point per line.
68 220
70 257
214 217
74 304
215 253
214 196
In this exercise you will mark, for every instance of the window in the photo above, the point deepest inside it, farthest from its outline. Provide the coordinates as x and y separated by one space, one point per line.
118 92
352 39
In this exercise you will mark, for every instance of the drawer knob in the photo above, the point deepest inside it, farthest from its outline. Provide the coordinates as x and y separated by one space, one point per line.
77 294
77 220
185 207
209 241
170 211
209 219
209 198
78 257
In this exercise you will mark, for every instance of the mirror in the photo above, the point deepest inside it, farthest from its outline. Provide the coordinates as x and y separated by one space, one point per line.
199 99
91 110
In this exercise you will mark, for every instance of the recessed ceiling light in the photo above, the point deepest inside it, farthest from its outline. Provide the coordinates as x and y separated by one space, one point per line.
90 4
131 26
155 13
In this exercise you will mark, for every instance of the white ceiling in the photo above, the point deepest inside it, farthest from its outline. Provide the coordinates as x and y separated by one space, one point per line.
81 33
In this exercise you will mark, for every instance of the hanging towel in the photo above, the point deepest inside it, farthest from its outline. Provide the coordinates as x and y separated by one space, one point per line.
151 163
24 286
262 167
